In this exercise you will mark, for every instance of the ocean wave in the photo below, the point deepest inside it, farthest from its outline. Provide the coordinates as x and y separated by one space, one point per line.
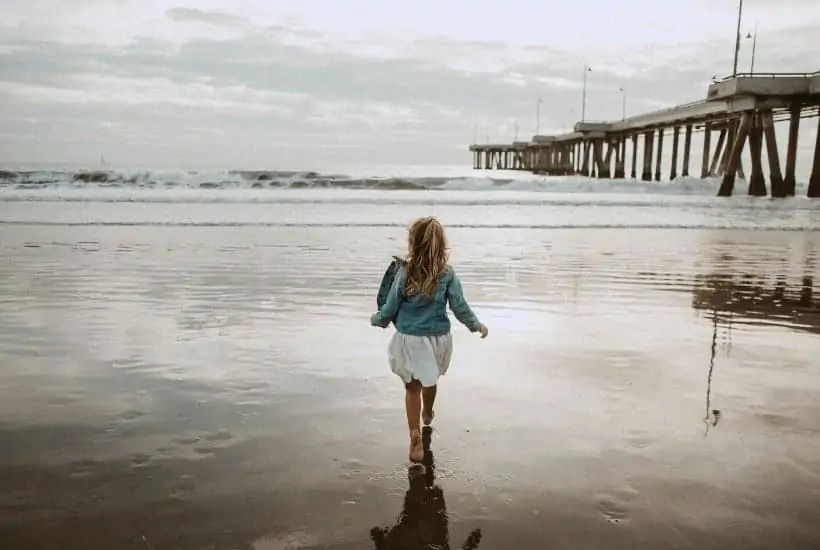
228 179
90 182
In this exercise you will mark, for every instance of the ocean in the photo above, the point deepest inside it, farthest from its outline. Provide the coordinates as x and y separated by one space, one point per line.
386 196
186 362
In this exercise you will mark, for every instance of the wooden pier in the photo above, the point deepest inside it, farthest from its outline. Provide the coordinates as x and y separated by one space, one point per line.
738 111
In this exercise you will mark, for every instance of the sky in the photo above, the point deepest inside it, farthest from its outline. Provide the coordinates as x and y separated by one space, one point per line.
315 83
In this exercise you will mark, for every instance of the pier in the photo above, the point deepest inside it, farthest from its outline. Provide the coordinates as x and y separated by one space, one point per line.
738 112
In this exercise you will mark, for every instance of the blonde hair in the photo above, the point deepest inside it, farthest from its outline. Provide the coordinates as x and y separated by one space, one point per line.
426 256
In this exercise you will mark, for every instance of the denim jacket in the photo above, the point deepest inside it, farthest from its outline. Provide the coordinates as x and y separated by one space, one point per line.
420 316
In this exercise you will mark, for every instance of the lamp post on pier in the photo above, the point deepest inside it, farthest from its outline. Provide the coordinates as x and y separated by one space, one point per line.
753 36
584 94
623 102
737 35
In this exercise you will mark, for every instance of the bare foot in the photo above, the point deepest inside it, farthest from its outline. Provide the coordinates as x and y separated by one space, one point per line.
427 417
416 447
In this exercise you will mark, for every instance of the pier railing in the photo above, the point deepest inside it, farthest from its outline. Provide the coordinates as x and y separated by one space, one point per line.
769 75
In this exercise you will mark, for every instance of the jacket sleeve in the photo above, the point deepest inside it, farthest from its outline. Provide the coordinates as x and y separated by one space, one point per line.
459 305
388 311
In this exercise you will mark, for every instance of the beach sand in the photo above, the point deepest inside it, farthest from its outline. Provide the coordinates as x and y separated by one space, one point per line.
221 388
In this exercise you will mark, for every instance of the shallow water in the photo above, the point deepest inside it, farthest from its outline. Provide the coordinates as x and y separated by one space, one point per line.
219 387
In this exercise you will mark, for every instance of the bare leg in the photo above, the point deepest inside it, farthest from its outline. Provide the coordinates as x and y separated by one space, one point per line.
412 404
428 396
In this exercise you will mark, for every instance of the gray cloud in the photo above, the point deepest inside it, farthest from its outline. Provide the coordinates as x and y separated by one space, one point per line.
299 89
199 16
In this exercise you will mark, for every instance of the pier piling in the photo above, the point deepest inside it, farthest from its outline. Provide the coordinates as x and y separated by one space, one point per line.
814 181
778 188
705 171
724 146
647 156
790 183
673 171
607 160
598 151
687 146
757 183
727 186
659 156
620 158
633 174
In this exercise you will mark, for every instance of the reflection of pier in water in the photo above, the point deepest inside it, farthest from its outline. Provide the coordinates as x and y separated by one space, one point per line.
749 299
731 298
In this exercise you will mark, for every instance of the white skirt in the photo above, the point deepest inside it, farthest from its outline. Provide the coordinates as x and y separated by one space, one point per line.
424 358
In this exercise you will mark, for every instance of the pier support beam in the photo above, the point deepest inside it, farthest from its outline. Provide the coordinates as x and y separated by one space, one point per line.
585 167
580 160
790 183
659 156
598 148
687 149
605 169
648 142
757 183
814 180
634 156
707 150
718 166
566 166
673 171
620 158
576 158
739 141
624 139
778 187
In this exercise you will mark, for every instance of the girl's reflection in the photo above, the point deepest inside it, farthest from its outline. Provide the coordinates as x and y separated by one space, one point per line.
422 523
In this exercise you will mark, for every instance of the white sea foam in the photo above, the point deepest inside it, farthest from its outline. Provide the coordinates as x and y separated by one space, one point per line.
267 186
461 198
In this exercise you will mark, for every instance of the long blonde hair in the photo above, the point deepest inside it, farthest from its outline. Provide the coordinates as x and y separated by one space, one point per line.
426 256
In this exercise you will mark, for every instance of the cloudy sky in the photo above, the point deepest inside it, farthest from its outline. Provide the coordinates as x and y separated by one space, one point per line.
315 83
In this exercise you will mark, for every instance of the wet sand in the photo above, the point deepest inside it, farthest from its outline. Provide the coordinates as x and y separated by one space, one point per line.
220 388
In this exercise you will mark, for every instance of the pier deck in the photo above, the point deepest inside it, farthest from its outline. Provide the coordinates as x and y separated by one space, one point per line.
741 109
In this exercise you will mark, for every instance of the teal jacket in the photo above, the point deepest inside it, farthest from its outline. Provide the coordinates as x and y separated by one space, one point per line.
419 316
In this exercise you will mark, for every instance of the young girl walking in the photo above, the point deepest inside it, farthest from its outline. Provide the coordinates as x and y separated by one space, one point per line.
420 350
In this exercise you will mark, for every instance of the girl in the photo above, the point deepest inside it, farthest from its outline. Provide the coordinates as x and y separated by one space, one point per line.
420 350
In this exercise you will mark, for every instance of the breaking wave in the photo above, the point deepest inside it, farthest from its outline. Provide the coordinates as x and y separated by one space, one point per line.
152 185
